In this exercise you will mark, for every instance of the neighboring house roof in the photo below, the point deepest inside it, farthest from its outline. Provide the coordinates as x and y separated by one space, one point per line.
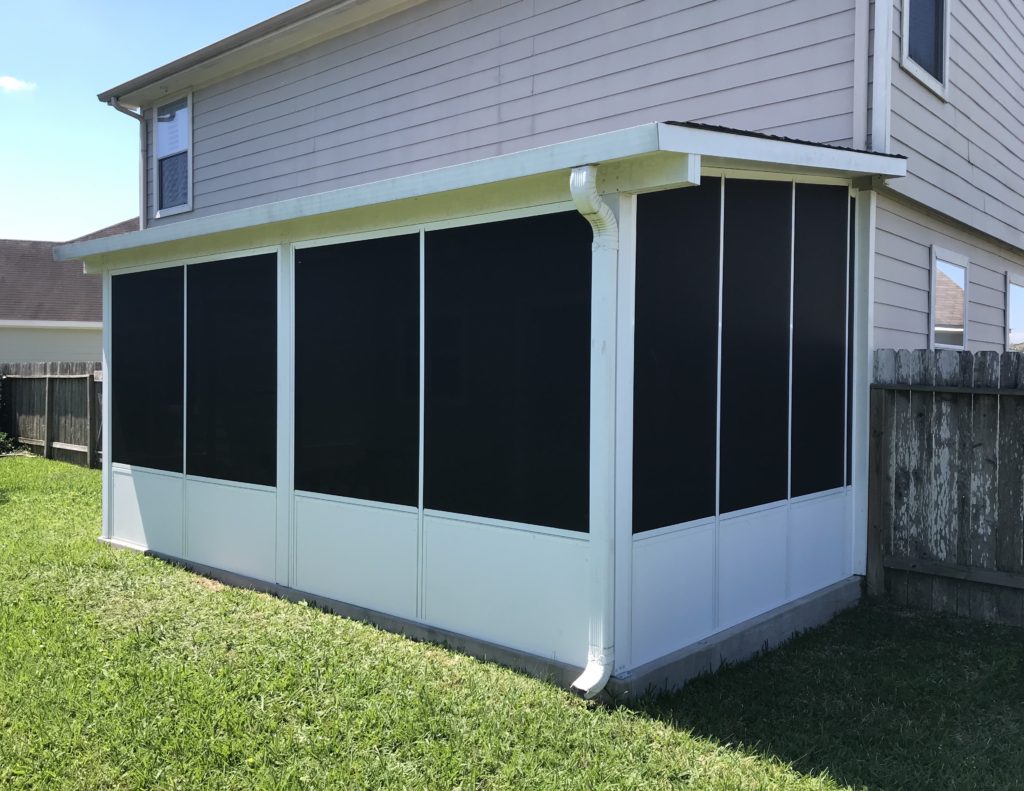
34 287
949 301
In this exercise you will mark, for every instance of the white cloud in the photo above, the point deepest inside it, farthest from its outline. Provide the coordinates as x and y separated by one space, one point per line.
10 84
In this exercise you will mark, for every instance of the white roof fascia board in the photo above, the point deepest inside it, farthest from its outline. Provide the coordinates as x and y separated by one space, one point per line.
630 148
754 149
43 324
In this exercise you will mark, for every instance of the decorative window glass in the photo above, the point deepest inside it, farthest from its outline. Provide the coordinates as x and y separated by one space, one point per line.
172 141
949 301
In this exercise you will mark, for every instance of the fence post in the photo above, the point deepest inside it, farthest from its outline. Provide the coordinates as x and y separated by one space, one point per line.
90 421
48 420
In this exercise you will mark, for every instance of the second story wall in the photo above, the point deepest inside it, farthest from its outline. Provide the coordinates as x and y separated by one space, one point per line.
966 151
448 81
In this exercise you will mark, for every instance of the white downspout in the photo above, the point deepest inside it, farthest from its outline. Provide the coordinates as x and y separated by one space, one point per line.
113 102
604 268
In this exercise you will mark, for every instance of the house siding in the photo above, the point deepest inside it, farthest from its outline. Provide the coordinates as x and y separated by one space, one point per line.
43 345
967 154
449 81
903 241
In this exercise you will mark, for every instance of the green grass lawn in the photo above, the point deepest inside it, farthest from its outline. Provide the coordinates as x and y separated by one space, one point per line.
120 671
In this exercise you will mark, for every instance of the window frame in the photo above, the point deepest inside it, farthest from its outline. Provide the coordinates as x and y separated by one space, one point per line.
939 87
159 213
956 259
1011 280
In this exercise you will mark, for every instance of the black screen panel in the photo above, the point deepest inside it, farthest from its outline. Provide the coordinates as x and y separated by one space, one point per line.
507 370
849 344
755 343
821 245
675 385
357 342
232 369
147 368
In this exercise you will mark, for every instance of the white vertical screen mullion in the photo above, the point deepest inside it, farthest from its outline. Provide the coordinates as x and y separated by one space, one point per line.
718 409
789 418
420 559
792 270
184 406
846 357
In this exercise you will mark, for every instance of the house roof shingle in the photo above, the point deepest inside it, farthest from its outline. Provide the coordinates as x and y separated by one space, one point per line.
34 287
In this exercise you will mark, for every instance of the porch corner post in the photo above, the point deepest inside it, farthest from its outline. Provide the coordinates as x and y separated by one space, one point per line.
863 346
106 426
601 649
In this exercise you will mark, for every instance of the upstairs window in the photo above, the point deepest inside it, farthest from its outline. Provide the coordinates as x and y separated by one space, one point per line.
172 163
949 299
925 24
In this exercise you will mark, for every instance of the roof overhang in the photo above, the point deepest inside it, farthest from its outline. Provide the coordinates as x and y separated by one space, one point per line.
638 159
295 29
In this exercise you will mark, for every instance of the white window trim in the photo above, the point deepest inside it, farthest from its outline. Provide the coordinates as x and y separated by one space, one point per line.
940 89
1011 280
942 254
154 164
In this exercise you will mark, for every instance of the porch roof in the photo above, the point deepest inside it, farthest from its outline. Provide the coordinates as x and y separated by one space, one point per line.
639 158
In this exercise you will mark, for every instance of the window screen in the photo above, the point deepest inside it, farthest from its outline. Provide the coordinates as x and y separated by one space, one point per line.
821 244
232 369
927 35
676 355
357 356
755 343
508 370
147 368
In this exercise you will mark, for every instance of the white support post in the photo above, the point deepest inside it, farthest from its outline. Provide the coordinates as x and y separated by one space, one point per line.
106 481
601 652
285 398
863 346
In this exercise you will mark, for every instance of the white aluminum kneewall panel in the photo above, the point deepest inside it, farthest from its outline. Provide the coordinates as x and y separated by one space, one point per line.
819 543
359 554
512 586
147 509
231 527
684 591
673 591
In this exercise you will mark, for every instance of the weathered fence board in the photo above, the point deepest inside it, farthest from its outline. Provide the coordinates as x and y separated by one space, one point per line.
53 409
946 500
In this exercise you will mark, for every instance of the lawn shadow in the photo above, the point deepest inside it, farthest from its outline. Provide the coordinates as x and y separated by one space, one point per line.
879 699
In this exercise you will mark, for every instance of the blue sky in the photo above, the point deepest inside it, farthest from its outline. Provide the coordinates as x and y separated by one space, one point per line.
68 164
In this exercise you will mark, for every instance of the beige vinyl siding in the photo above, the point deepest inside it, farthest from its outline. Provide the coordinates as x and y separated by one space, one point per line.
44 345
903 241
967 154
453 80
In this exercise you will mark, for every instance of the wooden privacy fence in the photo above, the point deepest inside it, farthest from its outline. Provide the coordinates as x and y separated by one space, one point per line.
946 491
53 409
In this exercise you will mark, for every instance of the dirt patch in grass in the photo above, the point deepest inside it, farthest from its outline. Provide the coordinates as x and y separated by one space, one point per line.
206 583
